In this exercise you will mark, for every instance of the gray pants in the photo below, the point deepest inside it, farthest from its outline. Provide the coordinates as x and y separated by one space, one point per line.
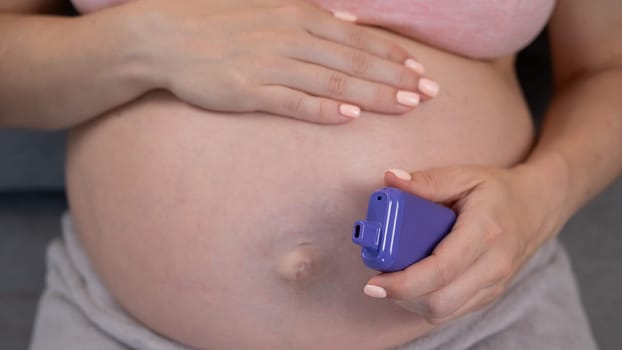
540 310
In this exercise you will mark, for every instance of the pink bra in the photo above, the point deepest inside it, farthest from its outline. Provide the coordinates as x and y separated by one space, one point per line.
473 28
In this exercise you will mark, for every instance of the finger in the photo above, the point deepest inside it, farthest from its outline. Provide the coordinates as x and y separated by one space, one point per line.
321 81
464 292
439 185
483 298
330 28
455 254
288 102
361 64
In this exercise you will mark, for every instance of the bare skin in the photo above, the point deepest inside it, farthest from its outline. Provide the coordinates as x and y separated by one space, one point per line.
231 231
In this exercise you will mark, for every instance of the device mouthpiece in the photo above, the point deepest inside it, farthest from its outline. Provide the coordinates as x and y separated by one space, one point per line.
367 234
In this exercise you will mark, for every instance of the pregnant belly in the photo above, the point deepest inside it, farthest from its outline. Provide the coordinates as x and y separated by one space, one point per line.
233 231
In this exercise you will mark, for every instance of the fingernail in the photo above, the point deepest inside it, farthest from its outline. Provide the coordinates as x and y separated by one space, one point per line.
414 65
428 87
344 16
401 174
408 98
375 291
349 110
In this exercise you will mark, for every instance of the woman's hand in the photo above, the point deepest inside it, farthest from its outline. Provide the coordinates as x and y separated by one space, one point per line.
503 217
284 57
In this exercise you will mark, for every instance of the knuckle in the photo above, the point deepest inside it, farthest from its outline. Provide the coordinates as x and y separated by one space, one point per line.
396 53
406 79
293 103
325 111
336 84
427 180
360 62
445 272
440 307
400 287
492 231
384 96
238 85
356 37
503 268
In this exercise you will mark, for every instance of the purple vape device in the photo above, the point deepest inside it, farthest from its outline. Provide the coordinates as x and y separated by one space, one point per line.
400 229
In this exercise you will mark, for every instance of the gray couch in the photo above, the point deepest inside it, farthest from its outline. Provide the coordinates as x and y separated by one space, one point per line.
32 199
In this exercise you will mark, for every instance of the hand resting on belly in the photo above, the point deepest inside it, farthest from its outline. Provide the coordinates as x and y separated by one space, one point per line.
254 61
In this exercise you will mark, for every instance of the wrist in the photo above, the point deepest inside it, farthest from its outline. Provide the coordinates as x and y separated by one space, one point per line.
546 182
139 26
122 37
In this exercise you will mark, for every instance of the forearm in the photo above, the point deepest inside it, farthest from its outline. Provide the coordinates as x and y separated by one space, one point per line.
580 148
57 72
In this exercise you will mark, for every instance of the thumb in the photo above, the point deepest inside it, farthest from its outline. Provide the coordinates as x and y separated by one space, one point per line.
438 185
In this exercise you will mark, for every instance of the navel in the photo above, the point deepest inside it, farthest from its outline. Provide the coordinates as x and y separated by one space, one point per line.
299 265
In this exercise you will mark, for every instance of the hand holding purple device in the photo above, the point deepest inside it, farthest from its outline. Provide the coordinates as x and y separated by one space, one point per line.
400 229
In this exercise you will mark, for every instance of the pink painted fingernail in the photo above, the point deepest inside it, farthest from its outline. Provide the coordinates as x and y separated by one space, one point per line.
428 87
401 174
351 111
408 98
345 16
375 291
414 65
